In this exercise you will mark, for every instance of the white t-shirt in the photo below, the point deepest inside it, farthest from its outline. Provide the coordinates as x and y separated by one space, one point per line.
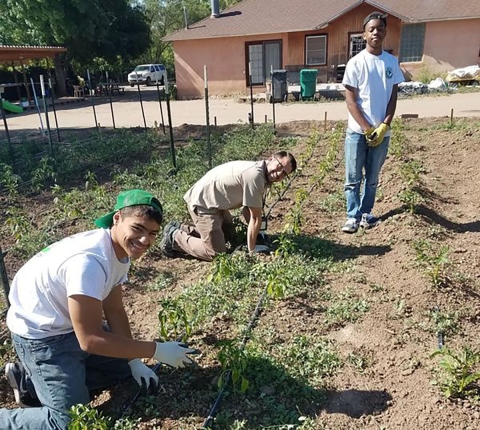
82 264
374 76
229 186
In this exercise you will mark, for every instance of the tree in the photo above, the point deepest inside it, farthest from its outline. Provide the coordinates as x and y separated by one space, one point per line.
167 16
87 28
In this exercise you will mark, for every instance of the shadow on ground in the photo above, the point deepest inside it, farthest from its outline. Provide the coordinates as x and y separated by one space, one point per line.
274 398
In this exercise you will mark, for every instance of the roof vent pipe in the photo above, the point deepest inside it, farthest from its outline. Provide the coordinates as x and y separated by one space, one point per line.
185 19
215 8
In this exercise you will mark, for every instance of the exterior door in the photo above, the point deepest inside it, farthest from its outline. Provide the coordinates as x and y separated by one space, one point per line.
262 57
272 57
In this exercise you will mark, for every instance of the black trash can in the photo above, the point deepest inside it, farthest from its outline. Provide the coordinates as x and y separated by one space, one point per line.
340 72
279 86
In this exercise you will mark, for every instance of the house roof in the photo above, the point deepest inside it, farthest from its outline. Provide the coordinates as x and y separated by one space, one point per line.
251 17
22 53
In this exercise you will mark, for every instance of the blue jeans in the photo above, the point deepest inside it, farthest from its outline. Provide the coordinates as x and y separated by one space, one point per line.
360 158
62 376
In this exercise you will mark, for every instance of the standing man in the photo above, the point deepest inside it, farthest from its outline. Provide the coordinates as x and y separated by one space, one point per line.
57 301
228 186
371 81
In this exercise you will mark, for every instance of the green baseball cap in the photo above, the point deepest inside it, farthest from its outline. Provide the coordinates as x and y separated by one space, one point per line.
126 199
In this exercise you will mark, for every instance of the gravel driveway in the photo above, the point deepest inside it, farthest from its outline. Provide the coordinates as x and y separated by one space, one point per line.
128 113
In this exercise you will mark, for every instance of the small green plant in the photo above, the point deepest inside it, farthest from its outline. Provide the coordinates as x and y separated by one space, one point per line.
285 245
411 199
45 172
90 181
233 359
86 418
398 142
411 196
276 285
434 262
8 180
461 372
18 223
222 268
295 216
175 319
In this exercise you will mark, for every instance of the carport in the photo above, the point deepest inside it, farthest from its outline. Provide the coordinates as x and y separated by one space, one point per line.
17 55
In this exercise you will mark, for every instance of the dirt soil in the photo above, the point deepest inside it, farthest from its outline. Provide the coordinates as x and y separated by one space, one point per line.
396 389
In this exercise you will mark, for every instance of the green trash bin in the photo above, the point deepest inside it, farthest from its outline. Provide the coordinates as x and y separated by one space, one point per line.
308 83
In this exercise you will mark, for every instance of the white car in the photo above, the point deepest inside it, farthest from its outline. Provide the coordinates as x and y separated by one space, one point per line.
147 74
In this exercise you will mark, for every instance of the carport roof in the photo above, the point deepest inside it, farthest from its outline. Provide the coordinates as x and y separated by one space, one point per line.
253 17
22 53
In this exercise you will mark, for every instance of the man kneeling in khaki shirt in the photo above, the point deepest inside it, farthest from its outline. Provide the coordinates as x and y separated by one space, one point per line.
228 186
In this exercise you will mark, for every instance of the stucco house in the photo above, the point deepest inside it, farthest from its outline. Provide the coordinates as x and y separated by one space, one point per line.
323 34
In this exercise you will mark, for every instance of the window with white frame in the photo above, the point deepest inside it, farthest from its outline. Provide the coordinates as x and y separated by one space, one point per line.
411 42
357 44
316 50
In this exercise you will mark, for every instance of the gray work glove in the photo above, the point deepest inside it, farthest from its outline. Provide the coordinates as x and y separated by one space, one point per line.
144 376
174 354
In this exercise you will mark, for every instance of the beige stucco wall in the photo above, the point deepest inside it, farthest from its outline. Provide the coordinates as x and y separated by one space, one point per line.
449 45
225 61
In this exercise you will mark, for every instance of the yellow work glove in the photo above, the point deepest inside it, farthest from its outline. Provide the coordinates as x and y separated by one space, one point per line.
376 138
368 132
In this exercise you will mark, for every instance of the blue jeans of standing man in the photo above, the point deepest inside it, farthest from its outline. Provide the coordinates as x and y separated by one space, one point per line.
360 158
62 375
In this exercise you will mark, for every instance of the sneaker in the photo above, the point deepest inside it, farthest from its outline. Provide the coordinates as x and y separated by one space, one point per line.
16 377
369 221
166 244
175 224
351 226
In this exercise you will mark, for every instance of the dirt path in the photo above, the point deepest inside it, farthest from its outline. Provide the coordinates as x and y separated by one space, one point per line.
127 111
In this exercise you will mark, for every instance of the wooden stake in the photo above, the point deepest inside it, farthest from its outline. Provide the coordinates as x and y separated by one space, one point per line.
325 123
4 278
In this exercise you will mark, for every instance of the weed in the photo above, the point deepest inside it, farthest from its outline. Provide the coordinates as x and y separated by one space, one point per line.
334 202
311 358
444 322
127 424
84 417
345 308
426 75
357 361
434 262
163 281
375 288
460 372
